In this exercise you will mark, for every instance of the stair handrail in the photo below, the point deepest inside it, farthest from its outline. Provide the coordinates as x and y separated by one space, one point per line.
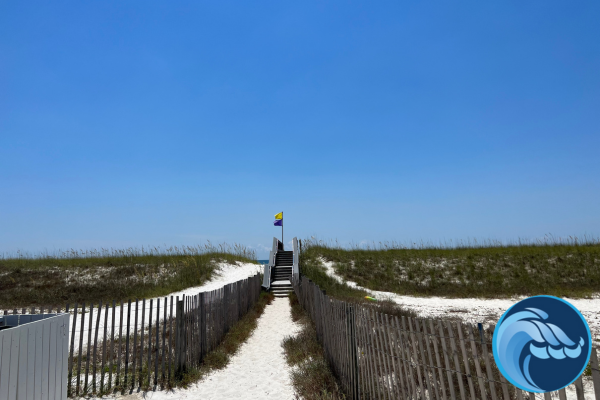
269 267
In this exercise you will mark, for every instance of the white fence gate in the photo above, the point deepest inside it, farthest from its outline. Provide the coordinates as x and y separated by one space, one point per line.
33 356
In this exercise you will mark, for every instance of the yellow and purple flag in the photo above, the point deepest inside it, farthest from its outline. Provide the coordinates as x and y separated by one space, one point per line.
278 219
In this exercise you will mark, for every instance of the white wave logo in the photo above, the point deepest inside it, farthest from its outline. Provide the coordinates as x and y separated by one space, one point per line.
525 332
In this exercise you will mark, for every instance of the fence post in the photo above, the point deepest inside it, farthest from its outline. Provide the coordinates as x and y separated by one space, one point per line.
180 345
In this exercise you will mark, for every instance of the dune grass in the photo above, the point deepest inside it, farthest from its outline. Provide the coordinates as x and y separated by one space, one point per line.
109 274
565 268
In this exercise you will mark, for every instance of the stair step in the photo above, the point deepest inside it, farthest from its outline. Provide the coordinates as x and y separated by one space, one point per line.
282 292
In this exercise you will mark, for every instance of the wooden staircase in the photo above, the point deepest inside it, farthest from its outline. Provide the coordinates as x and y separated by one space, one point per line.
281 281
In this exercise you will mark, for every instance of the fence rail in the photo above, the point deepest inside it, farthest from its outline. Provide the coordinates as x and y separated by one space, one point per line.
145 344
379 356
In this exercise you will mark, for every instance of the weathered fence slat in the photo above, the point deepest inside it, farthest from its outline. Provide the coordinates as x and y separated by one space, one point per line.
99 312
127 346
403 367
387 361
426 338
380 371
562 394
405 348
477 361
394 360
171 334
164 349
414 354
455 358
104 348
120 348
438 362
370 354
430 389
89 348
135 337
80 349
156 343
150 344
178 341
142 332
461 341
579 389
595 373
73 330
488 366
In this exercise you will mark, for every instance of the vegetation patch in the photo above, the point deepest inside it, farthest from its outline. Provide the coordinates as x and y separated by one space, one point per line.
570 269
94 275
311 376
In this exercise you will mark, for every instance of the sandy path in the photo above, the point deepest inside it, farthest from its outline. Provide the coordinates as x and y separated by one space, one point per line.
226 273
257 371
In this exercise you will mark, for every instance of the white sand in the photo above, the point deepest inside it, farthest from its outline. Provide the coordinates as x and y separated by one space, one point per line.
257 371
225 274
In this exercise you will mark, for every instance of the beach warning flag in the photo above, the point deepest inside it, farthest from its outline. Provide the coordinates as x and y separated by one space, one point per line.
278 219
279 222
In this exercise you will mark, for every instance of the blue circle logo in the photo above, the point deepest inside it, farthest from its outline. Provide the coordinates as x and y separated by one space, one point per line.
542 344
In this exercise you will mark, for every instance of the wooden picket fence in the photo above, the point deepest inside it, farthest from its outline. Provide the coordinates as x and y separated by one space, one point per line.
379 356
147 344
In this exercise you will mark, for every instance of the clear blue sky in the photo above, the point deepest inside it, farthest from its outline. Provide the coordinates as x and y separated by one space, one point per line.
127 123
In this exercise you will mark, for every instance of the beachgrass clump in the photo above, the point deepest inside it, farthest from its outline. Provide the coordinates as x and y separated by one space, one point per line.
565 268
110 274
